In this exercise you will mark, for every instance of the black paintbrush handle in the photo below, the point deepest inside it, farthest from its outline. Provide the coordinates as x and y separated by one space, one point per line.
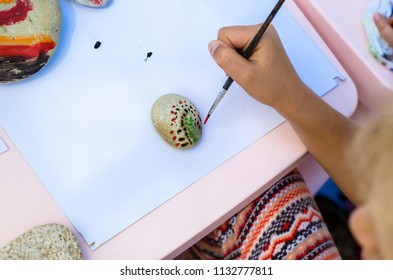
251 47
246 54
228 83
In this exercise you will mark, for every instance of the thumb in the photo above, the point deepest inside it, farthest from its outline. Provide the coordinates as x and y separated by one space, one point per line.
384 28
230 60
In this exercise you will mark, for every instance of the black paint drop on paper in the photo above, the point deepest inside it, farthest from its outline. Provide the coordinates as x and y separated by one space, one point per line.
148 55
97 45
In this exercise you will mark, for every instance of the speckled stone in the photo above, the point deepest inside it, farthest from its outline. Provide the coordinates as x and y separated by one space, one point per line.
29 35
94 3
177 121
45 242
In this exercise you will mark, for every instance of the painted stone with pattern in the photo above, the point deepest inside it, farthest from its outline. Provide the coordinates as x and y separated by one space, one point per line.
177 121
44 242
29 34
94 3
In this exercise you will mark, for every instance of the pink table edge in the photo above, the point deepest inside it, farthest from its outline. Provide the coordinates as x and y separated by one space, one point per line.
180 222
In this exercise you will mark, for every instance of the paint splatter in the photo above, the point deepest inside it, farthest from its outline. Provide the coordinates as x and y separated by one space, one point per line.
148 55
97 45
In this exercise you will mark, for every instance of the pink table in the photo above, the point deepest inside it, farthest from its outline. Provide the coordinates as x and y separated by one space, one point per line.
183 220
339 24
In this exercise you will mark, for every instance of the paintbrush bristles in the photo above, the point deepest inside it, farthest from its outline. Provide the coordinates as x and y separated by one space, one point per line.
216 102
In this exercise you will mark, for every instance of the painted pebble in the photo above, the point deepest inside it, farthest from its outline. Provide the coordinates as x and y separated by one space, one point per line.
177 121
94 3
45 242
29 34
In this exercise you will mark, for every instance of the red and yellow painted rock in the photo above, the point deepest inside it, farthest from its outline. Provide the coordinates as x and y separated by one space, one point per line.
177 121
29 34
94 3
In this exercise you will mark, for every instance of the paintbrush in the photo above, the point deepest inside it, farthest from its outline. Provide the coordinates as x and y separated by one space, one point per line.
246 54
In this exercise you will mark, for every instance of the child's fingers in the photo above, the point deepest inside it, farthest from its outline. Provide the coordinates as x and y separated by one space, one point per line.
238 37
385 29
230 60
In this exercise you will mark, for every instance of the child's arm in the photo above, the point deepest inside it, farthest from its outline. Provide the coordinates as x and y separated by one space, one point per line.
269 77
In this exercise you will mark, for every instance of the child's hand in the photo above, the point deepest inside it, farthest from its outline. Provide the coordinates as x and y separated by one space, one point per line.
385 29
268 75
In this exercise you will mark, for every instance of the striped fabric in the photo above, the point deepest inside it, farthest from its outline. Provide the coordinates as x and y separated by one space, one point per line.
282 223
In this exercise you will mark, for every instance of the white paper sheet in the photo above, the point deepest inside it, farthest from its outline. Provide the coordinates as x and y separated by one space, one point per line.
83 122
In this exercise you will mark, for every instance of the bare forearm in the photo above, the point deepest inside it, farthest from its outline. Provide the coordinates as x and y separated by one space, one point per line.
269 77
327 135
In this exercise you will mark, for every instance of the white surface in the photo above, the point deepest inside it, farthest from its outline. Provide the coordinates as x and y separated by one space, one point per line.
83 123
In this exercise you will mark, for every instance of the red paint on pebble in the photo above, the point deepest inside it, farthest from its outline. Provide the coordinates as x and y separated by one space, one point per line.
17 13
26 51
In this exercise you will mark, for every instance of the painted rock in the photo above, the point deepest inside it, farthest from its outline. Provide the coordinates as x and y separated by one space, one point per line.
177 121
45 242
94 3
29 34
